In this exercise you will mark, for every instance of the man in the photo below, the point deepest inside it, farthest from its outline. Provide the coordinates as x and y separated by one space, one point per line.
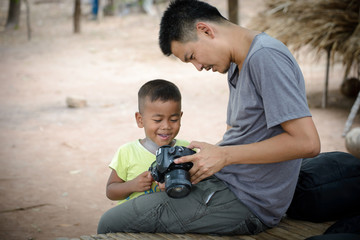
245 184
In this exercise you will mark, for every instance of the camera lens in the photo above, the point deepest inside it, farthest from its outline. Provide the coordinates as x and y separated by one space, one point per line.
177 183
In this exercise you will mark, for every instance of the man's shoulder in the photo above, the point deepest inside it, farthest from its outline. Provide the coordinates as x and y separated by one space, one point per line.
266 44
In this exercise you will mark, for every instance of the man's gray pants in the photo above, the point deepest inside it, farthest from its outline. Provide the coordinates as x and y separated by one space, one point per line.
210 208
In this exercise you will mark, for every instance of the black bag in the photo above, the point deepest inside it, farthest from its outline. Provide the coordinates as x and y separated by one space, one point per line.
336 236
344 229
345 225
328 188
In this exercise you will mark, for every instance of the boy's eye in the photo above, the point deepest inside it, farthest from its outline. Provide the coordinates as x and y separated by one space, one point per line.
174 120
157 120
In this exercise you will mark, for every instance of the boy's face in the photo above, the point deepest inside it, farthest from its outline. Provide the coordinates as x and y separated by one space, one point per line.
160 120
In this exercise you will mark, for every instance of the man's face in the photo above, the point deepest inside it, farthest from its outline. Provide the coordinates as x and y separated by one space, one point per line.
160 120
203 53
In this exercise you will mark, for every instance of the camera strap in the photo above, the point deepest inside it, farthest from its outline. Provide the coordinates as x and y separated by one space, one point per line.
152 147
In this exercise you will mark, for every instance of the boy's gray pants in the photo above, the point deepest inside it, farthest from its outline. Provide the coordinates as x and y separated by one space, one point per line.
210 208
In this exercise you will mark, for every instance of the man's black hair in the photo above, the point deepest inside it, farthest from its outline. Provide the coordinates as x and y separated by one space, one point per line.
158 89
178 21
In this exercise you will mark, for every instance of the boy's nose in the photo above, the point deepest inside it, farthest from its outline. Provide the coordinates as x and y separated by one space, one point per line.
166 125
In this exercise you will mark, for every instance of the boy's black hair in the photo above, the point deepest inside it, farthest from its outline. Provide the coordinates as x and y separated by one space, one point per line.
158 89
178 21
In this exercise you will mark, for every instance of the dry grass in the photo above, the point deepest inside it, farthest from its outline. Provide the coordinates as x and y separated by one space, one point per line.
323 25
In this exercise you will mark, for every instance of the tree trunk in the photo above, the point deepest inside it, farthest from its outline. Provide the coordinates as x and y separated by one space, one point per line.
13 18
77 16
233 11
28 19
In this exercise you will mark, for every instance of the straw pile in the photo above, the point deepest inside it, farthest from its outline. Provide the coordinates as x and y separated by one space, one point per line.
322 24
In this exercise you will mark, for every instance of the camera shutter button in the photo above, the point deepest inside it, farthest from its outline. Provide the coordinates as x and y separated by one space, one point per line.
172 150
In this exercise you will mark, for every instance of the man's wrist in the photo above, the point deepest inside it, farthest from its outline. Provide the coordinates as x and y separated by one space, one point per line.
224 151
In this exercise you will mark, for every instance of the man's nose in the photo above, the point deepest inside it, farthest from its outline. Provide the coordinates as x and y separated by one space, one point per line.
197 65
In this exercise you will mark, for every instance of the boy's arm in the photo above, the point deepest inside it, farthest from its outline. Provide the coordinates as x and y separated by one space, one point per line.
299 140
118 189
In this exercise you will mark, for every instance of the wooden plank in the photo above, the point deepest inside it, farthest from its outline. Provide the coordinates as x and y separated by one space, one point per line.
283 233
169 236
217 237
190 236
118 236
99 236
136 235
316 228
287 229
321 228
241 237
264 236
152 236
298 230
86 238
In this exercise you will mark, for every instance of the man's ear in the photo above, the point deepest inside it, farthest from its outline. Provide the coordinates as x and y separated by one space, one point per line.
205 28
139 120
181 114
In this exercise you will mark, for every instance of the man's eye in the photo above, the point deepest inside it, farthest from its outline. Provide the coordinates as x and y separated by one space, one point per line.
192 57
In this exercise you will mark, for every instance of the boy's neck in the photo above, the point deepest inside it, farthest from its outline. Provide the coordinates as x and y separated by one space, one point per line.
151 146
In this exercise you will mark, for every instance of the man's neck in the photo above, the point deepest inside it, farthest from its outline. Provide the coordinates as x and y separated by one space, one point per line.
241 42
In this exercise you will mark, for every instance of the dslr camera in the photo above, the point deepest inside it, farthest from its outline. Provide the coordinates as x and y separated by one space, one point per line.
175 176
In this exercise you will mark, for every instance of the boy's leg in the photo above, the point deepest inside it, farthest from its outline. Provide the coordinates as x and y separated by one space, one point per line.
210 208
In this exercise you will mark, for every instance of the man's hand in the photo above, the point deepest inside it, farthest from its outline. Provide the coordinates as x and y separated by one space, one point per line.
142 182
209 160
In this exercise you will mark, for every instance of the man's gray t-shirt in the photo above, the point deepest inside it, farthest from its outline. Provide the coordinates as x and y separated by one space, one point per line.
268 91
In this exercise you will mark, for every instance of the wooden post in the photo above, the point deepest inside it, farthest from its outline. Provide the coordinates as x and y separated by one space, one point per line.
233 11
13 17
77 16
352 115
28 24
325 93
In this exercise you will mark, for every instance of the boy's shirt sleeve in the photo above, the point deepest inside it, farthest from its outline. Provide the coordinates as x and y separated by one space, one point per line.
119 164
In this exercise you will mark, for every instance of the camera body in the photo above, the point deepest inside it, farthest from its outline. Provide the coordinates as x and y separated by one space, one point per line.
175 176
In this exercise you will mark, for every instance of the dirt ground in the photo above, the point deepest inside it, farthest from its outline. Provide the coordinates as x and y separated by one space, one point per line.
54 160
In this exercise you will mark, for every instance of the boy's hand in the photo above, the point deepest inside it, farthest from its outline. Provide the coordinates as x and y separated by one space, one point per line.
142 182
161 186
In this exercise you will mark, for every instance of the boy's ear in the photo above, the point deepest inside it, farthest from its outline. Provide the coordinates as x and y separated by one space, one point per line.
139 120
205 28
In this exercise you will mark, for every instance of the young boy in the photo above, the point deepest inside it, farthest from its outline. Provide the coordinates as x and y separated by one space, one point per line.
160 116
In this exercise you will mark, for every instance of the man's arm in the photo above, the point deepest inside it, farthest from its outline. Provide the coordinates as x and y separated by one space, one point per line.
300 140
